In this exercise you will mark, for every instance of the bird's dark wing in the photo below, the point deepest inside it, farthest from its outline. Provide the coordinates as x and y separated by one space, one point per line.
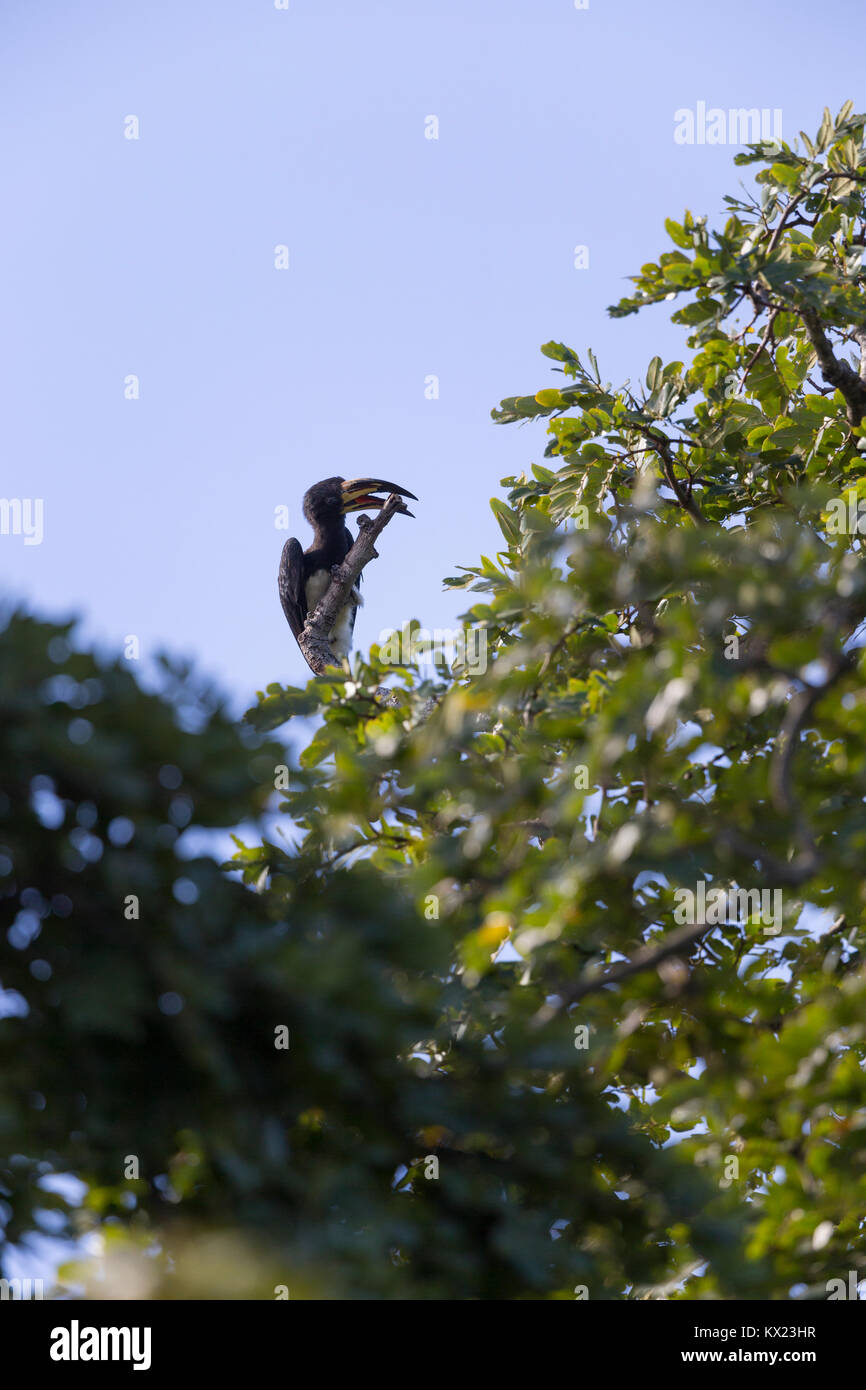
291 585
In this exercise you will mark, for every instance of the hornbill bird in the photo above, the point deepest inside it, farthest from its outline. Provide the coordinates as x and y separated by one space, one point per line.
306 574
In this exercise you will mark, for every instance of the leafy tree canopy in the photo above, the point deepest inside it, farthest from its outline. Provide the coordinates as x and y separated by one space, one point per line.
529 1050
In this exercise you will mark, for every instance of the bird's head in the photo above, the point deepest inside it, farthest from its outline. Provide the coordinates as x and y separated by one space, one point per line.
326 502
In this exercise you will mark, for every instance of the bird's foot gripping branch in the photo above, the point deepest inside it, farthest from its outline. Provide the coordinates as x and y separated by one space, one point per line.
314 639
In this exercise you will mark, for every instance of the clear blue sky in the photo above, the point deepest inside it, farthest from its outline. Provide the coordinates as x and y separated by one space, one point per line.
408 257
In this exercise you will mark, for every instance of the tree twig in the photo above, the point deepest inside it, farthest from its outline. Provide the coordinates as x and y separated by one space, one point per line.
662 447
646 958
799 709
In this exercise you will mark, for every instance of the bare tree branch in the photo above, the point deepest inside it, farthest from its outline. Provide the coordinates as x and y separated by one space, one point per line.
836 371
314 640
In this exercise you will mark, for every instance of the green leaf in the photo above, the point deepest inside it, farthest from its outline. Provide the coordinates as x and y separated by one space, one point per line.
508 520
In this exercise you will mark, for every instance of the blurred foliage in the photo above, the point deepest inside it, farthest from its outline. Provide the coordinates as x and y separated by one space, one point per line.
510 1073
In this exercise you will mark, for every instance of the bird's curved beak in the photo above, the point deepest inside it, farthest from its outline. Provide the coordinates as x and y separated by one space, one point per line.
358 493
